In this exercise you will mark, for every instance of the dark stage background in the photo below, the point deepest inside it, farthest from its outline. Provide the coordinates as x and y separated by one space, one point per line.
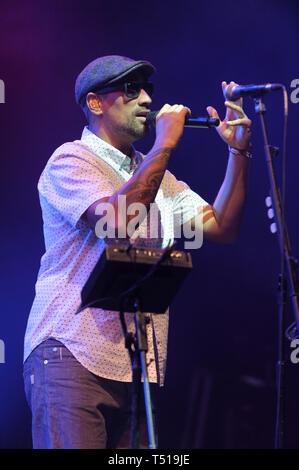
220 387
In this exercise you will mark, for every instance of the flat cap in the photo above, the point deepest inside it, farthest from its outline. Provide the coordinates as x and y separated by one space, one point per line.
106 70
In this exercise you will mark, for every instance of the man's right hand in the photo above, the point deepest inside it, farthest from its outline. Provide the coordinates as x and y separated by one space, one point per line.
170 125
142 187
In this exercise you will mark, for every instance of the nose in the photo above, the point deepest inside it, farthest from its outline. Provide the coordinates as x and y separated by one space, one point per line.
144 97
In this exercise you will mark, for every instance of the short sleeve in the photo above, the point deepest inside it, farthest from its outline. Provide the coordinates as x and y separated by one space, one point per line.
186 203
71 183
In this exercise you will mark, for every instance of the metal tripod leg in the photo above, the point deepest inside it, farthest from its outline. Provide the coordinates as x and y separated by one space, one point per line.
140 322
148 403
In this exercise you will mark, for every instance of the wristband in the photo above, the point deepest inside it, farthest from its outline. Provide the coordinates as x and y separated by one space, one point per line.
245 153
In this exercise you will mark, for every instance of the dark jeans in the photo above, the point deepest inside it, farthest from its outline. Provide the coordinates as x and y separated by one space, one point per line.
73 408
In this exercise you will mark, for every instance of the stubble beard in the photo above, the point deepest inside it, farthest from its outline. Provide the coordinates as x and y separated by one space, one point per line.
135 129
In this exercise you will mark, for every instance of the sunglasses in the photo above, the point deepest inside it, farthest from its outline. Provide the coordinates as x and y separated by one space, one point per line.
132 89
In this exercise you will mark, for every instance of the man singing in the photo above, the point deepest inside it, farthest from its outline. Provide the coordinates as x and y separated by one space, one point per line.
77 370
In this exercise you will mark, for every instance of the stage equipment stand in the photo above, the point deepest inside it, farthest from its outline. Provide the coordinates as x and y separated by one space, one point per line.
287 279
128 279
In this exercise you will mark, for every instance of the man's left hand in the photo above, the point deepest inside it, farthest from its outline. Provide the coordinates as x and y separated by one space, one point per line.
235 129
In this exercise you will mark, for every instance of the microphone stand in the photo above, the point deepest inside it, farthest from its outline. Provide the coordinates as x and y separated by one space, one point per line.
287 279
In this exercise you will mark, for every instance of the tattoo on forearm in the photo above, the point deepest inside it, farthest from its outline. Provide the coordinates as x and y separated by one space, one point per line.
145 183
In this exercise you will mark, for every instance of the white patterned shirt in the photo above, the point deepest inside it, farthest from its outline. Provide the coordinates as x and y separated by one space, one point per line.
78 174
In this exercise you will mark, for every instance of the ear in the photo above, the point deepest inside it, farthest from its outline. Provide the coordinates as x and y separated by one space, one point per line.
94 103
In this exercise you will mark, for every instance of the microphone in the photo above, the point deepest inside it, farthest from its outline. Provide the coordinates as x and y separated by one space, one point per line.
190 121
254 91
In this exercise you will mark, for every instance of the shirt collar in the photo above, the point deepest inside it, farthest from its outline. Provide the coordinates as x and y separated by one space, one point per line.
109 153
